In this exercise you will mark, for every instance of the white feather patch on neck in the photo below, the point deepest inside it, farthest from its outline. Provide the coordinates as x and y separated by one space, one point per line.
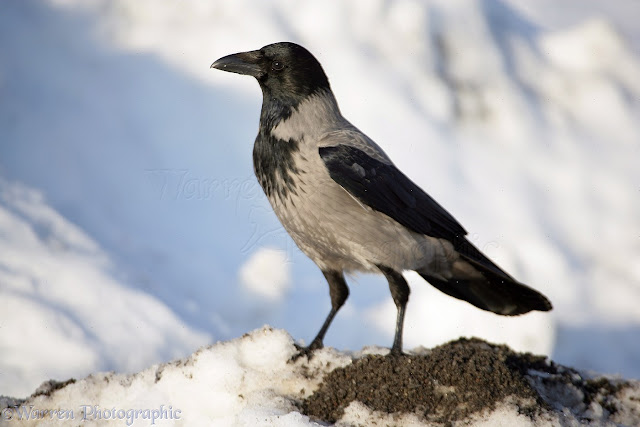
311 119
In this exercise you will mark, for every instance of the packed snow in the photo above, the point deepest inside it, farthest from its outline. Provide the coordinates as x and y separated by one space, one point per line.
132 230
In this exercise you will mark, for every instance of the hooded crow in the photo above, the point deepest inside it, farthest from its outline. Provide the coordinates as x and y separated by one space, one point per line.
347 206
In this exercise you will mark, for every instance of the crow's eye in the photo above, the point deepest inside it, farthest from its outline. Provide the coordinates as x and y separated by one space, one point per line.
277 65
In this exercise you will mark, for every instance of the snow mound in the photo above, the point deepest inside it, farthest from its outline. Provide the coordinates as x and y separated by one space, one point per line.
252 380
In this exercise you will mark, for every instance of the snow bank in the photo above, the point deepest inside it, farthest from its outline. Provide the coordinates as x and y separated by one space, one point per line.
246 381
251 381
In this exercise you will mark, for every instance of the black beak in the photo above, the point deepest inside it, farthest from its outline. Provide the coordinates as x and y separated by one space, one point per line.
242 63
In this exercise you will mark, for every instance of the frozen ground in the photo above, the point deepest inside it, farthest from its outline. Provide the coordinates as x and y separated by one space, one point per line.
132 230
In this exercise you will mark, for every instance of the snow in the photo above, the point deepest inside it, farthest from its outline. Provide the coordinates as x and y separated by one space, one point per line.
132 230
266 274
240 382
63 311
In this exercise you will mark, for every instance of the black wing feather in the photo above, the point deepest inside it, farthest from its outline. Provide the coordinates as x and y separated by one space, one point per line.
384 188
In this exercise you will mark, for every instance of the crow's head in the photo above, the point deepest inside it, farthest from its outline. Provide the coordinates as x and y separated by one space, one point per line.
284 70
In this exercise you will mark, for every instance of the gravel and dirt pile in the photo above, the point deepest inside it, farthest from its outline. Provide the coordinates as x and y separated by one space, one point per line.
465 377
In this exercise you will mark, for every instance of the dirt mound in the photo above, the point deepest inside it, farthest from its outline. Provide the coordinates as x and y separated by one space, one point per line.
456 380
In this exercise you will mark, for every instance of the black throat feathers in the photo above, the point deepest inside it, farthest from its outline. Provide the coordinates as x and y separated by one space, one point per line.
273 161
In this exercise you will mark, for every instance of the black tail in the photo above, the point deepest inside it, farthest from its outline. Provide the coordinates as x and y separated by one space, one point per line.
495 291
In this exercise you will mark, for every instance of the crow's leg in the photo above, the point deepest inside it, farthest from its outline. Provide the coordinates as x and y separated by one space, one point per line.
339 292
400 293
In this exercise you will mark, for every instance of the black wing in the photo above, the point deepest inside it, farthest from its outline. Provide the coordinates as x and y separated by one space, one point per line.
384 188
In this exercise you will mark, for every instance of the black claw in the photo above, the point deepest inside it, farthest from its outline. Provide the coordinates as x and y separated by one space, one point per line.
306 351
